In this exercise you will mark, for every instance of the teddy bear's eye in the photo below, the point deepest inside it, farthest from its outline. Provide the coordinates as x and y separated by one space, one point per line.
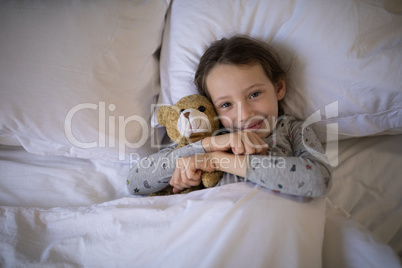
201 109
182 110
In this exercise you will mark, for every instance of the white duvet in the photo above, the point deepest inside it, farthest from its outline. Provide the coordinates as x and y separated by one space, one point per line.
236 225
58 211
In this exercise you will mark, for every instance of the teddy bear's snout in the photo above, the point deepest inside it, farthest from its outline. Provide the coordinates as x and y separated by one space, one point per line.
193 121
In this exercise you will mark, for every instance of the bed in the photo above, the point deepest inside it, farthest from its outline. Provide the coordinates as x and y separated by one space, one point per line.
80 83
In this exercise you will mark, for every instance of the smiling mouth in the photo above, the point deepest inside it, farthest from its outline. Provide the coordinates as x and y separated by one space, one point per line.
254 126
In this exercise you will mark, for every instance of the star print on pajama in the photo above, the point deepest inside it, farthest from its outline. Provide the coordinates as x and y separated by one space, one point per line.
301 173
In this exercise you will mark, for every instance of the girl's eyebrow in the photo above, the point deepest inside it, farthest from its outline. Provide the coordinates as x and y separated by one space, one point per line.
253 86
220 98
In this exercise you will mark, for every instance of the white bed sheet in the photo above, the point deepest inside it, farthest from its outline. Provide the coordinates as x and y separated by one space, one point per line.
52 206
367 183
225 227
237 225
55 181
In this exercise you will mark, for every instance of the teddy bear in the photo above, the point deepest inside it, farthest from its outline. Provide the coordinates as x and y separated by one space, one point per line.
191 119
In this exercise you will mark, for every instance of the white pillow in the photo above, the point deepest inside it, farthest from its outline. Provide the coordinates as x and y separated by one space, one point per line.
78 78
346 56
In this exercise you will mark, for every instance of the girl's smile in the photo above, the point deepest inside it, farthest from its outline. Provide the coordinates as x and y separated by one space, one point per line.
244 97
253 126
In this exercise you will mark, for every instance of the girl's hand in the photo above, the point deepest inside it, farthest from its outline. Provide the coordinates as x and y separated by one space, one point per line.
242 142
188 171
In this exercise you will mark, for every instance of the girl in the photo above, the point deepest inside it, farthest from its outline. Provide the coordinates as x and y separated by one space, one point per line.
245 82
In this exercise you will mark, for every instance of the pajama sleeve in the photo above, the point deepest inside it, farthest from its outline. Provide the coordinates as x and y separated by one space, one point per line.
153 173
296 172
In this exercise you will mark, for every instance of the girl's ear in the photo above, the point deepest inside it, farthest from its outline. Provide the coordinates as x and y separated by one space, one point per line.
280 89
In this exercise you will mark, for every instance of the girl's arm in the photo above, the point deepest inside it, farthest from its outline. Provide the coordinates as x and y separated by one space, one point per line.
153 173
242 142
188 169
300 174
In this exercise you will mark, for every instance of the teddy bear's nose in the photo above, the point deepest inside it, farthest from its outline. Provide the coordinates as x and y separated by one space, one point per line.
186 114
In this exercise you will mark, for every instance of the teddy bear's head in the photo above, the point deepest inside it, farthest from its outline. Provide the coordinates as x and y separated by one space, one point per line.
192 118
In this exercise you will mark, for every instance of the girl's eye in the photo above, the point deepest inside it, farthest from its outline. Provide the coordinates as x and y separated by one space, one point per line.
254 94
226 105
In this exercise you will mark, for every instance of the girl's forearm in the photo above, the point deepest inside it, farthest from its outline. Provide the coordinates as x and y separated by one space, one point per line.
292 175
153 173
228 162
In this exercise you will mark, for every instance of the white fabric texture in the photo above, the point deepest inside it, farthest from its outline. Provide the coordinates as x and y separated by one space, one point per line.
31 180
365 183
345 56
214 228
237 225
348 244
91 63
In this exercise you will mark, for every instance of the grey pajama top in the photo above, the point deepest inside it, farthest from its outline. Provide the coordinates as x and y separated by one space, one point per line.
288 167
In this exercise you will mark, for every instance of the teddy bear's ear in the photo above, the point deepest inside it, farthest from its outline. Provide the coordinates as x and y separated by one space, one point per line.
162 114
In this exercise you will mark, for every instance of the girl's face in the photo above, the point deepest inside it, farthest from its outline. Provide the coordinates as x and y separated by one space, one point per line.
245 98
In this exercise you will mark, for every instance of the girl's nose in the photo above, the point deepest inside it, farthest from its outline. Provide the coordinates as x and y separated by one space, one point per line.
245 111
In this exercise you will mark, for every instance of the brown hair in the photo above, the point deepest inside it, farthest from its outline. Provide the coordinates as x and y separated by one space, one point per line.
239 50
